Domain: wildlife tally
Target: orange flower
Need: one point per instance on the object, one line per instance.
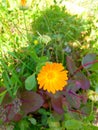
(23, 2)
(52, 77)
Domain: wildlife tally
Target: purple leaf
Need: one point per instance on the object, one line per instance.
(57, 105)
(10, 112)
(70, 65)
(13, 116)
(73, 99)
(84, 98)
(84, 83)
(88, 59)
(31, 101)
(82, 80)
(74, 85)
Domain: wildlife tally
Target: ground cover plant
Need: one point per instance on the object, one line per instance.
(48, 67)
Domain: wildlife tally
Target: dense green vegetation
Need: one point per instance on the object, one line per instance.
(32, 35)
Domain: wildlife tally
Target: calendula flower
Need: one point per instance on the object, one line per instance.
(52, 77)
(23, 2)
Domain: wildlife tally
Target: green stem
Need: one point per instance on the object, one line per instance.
(25, 23)
(43, 50)
(92, 107)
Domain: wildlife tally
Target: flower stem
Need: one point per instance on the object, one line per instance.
(88, 63)
(25, 23)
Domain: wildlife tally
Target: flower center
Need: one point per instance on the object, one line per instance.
(50, 75)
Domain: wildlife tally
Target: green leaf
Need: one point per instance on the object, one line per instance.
(39, 66)
(72, 124)
(42, 61)
(96, 87)
(45, 39)
(34, 55)
(23, 125)
(31, 83)
(33, 121)
(2, 95)
(7, 83)
(89, 127)
(94, 67)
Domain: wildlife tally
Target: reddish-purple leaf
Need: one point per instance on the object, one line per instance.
(87, 61)
(11, 115)
(84, 98)
(31, 101)
(10, 112)
(57, 105)
(73, 99)
(73, 85)
(70, 65)
(82, 81)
